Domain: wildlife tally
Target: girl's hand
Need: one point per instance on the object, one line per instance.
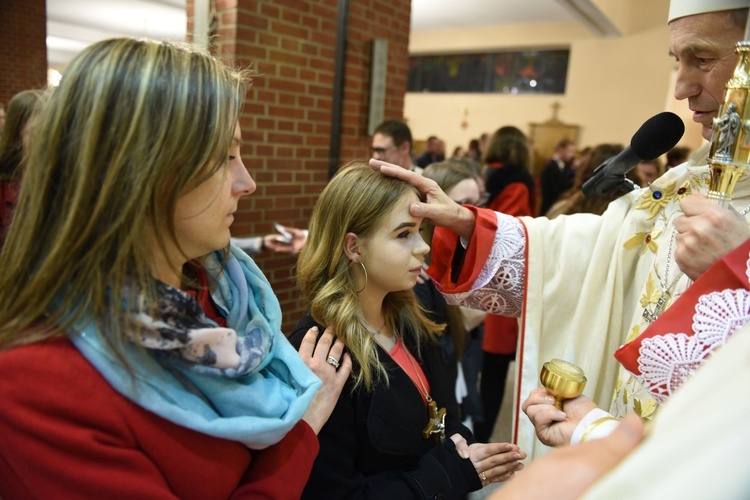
(496, 462)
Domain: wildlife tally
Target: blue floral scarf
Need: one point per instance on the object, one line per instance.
(244, 383)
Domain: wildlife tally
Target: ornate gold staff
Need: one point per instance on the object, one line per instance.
(729, 154)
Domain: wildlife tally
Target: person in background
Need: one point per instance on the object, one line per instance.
(511, 191)
(392, 142)
(395, 432)
(484, 139)
(290, 243)
(473, 151)
(648, 171)
(433, 153)
(557, 175)
(159, 367)
(12, 145)
(459, 152)
(573, 201)
(461, 183)
(677, 156)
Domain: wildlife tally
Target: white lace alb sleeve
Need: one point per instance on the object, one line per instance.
(499, 286)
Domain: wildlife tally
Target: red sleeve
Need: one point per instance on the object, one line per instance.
(65, 433)
(446, 244)
(513, 200)
(281, 471)
(60, 436)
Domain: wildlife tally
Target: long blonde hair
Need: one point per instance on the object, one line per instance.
(358, 199)
(133, 125)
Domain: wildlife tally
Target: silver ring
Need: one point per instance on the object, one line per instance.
(333, 362)
(483, 476)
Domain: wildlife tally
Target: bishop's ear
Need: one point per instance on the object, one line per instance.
(352, 247)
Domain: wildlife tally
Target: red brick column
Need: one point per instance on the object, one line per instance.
(23, 49)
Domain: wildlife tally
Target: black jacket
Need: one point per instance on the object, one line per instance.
(372, 446)
(554, 183)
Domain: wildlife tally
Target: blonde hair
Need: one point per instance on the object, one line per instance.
(358, 199)
(133, 125)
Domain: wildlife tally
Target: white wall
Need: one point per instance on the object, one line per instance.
(614, 84)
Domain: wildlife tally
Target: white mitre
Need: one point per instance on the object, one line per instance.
(682, 8)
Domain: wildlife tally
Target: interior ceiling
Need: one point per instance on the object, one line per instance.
(74, 24)
(430, 15)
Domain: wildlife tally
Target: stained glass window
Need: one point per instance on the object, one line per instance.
(521, 72)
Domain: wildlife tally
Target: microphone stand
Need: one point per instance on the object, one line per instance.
(729, 153)
(603, 182)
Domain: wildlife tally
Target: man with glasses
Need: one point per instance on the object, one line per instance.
(392, 143)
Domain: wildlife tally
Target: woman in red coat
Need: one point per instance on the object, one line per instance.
(511, 191)
(140, 354)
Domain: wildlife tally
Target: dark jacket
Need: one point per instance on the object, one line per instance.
(554, 183)
(372, 446)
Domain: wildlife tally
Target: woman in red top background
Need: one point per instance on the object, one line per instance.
(511, 191)
(14, 136)
(140, 353)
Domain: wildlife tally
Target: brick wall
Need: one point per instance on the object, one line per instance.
(286, 123)
(23, 50)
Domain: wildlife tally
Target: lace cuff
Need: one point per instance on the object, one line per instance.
(499, 286)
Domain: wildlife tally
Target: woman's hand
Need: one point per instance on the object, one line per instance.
(554, 427)
(496, 462)
(439, 208)
(316, 357)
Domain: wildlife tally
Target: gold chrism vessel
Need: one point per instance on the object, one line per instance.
(562, 380)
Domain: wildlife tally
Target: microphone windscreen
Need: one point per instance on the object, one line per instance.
(658, 135)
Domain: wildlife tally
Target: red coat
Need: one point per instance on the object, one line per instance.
(66, 433)
(515, 200)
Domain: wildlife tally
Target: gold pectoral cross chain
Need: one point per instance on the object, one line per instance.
(436, 425)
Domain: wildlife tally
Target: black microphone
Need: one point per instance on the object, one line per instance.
(658, 135)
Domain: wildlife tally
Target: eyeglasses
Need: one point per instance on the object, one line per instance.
(380, 151)
(480, 203)
(483, 199)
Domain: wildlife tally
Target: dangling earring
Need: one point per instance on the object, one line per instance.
(365, 270)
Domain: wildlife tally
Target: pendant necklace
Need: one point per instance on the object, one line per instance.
(385, 342)
(650, 316)
(436, 424)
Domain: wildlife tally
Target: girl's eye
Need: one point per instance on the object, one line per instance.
(404, 234)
